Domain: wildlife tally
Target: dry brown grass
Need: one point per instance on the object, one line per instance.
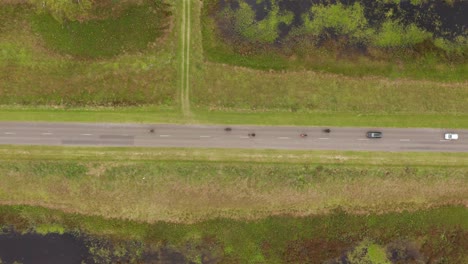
(195, 191)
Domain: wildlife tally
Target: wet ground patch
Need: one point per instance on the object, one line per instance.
(444, 19)
(74, 247)
(314, 34)
(36, 248)
(436, 235)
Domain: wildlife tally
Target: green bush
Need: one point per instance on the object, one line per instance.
(458, 46)
(393, 34)
(45, 229)
(342, 20)
(368, 253)
(265, 30)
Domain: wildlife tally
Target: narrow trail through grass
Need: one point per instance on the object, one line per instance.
(185, 60)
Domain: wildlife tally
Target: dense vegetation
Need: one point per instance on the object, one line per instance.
(437, 235)
(319, 34)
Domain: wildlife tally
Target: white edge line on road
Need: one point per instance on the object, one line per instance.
(164, 135)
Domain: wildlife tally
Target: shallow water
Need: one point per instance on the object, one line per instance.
(438, 17)
(37, 249)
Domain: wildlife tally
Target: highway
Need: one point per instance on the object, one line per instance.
(207, 136)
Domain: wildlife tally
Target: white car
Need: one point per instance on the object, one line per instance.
(451, 136)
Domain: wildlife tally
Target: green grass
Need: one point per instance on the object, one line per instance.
(132, 31)
(93, 114)
(229, 116)
(437, 233)
(302, 91)
(44, 229)
(35, 68)
(114, 154)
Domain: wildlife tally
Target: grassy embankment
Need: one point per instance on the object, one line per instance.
(274, 205)
(185, 185)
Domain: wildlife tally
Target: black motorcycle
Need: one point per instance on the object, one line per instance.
(327, 130)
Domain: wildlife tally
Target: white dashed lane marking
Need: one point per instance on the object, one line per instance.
(404, 140)
(283, 137)
(205, 136)
(46, 134)
(9, 133)
(164, 135)
(86, 134)
(323, 138)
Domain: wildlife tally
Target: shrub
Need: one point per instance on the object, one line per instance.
(338, 18)
(265, 30)
(393, 34)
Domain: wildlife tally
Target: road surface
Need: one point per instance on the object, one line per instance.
(84, 134)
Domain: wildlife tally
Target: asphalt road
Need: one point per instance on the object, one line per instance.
(84, 134)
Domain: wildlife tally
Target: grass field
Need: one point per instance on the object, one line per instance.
(46, 63)
(227, 116)
(242, 88)
(182, 185)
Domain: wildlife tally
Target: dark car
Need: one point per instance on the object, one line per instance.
(374, 134)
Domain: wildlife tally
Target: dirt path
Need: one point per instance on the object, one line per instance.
(185, 62)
